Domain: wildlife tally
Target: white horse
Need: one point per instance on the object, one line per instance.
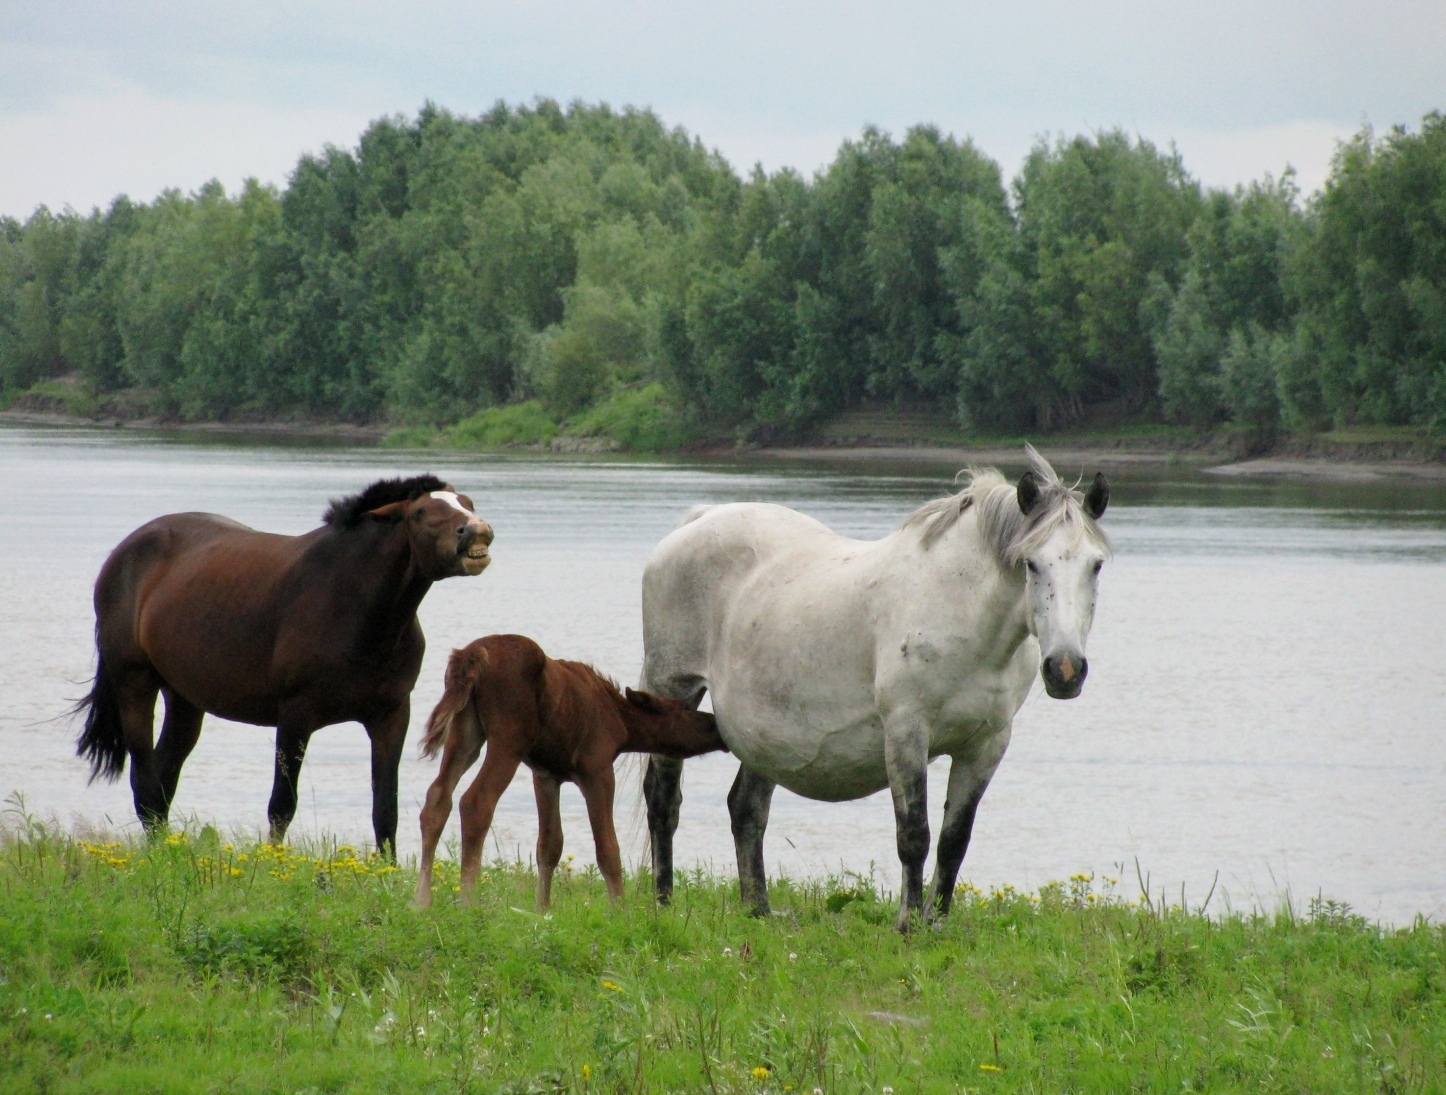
(839, 666)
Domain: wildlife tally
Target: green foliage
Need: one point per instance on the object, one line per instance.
(567, 255)
(187, 964)
(519, 424)
(636, 419)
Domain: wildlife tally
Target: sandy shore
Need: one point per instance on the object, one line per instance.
(1072, 455)
(1104, 456)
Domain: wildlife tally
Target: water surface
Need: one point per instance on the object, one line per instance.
(1266, 689)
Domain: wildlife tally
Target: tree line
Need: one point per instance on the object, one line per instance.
(577, 257)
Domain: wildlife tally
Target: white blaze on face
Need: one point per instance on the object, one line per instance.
(451, 500)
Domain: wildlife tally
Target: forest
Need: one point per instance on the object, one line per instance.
(543, 267)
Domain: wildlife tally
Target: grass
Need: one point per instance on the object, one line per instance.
(193, 964)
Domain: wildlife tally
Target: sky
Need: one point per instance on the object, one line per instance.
(133, 96)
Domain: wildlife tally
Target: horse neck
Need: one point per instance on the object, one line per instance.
(1000, 607)
(393, 587)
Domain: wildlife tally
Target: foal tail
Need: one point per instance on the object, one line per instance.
(454, 710)
(102, 740)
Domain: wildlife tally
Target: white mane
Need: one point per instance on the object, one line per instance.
(1013, 535)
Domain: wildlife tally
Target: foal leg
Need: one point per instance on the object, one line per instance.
(179, 731)
(291, 741)
(968, 779)
(663, 792)
(597, 791)
(478, 804)
(906, 759)
(549, 833)
(749, 800)
(458, 755)
(388, 735)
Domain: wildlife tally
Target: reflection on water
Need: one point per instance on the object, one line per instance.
(1265, 692)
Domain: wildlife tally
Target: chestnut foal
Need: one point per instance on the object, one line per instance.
(565, 721)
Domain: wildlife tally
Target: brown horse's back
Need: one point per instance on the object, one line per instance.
(198, 581)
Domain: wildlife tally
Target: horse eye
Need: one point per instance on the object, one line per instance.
(1099, 565)
(1032, 566)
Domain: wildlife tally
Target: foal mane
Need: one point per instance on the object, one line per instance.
(348, 512)
(1013, 534)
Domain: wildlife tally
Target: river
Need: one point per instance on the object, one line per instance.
(1266, 700)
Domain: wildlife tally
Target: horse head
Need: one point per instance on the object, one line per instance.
(1062, 553)
(448, 539)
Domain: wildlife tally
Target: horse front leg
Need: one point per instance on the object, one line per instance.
(388, 734)
(968, 779)
(663, 793)
(597, 791)
(749, 800)
(292, 739)
(906, 759)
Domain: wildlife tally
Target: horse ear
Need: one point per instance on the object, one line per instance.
(389, 514)
(643, 701)
(466, 501)
(1027, 492)
(1098, 496)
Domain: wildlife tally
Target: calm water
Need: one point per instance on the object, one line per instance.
(1267, 673)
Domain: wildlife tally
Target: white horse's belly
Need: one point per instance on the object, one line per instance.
(838, 765)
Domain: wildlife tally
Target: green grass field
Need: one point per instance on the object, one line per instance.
(195, 965)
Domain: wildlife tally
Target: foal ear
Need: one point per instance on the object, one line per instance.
(643, 701)
(1027, 492)
(389, 514)
(1098, 496)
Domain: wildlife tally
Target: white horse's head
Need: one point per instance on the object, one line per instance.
(1062, 555)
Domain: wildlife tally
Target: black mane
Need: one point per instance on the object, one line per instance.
(348, 512)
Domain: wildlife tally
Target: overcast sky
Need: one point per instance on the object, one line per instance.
(100, 98)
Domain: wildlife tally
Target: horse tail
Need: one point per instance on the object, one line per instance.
(464, 676)
(102, 740)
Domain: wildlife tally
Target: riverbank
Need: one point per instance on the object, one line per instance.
(899, 437)
(201, 964)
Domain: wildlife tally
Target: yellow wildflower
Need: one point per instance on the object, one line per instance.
(986, 1067)
(587, 1072)
(612, 986)
(761, 1072)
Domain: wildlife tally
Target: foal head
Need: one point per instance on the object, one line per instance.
(657, 724)
(447, 537)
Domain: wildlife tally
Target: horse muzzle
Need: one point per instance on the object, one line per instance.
(1064, 674)
(472, 548)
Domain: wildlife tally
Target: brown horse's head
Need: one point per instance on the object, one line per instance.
(657, 724)
(448, 538)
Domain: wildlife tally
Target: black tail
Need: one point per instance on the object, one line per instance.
(102, 742)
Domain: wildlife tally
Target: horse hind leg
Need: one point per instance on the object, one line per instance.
(478, 805)
(549, 834)
(179, 731)
(459, 754)
(663, 790)
(136, 698)
(749, 800)
(663, 794)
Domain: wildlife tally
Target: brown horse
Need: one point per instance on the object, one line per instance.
(295, 632)
(566, 721)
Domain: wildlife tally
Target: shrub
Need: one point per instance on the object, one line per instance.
(638, 419)
(517, 424)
